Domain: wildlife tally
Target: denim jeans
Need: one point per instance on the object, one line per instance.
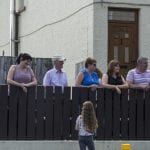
(86, 141)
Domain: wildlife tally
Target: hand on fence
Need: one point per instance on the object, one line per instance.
(146, 87)
(118, 90)
(93, 87)
(23, 87)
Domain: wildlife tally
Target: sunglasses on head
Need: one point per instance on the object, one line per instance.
(117, 65)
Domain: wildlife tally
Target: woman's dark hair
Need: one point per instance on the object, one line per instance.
(111, 67)
(89, 61)
(23, 56)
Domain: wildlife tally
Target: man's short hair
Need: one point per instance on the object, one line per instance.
(58, 58)
(141, 60)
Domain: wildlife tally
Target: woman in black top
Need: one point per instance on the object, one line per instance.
(113, 79)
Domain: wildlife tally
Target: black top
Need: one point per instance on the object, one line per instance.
(115, 81)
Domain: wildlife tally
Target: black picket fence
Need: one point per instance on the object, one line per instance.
(42, 114)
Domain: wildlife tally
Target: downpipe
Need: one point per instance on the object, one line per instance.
(12, 27)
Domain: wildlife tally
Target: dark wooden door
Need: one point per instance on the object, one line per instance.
(123, 44)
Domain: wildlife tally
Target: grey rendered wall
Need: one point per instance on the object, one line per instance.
(70, 145)
(4, 27)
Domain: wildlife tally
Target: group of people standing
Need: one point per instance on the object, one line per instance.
(138, 77)
(22, 75)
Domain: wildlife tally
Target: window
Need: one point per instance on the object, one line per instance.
(121, 15)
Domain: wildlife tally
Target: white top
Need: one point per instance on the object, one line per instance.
(54, 77)
(79, 126)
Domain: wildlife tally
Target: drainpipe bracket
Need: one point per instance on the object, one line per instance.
(18, 12)
(16, 41)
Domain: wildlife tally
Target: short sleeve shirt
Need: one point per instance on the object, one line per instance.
(80, 127)
(139, 78)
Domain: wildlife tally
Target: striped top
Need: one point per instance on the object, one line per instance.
(139, 78)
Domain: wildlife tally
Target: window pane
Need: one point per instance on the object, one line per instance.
(116, 52)
(127, 54)
(121, 15)
(126, 35)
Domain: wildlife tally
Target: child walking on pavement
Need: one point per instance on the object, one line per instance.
(86, 124)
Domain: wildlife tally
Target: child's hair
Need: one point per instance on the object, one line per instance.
(89, 118)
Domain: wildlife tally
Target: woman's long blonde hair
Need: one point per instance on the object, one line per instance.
(89, 118)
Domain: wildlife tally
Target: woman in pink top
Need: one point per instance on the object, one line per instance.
(21, 74)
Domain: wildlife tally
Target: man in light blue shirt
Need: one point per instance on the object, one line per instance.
(56, 76)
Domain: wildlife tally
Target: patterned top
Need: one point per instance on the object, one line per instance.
(22, 76)
(139, 78)
(89, 79)
(115, 81)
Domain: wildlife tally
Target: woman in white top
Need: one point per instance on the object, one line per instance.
(86, 124)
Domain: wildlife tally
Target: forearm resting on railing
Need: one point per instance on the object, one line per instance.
(33, 83)
(9, 81)
(140, 86)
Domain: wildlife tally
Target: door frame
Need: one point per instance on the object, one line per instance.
(124, 22)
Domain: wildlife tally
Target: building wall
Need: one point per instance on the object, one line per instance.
(101, 27)
(4, 27)
(67, 30)
(76, 29)
(144, 32)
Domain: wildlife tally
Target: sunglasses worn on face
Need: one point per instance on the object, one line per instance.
(145, 63)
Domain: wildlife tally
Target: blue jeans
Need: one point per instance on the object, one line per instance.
(86, 141)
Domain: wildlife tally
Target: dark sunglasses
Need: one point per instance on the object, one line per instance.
(116, 65)
(94, 65)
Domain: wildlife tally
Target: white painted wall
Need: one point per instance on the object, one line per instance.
(71, 34)
(101, 27)
(100, 36)
(144, 32)
(4, 27)
(127, 1)
(73, 28)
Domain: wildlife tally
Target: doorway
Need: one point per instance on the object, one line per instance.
(123, 38)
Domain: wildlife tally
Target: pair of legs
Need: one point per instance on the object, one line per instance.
(86, 141)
